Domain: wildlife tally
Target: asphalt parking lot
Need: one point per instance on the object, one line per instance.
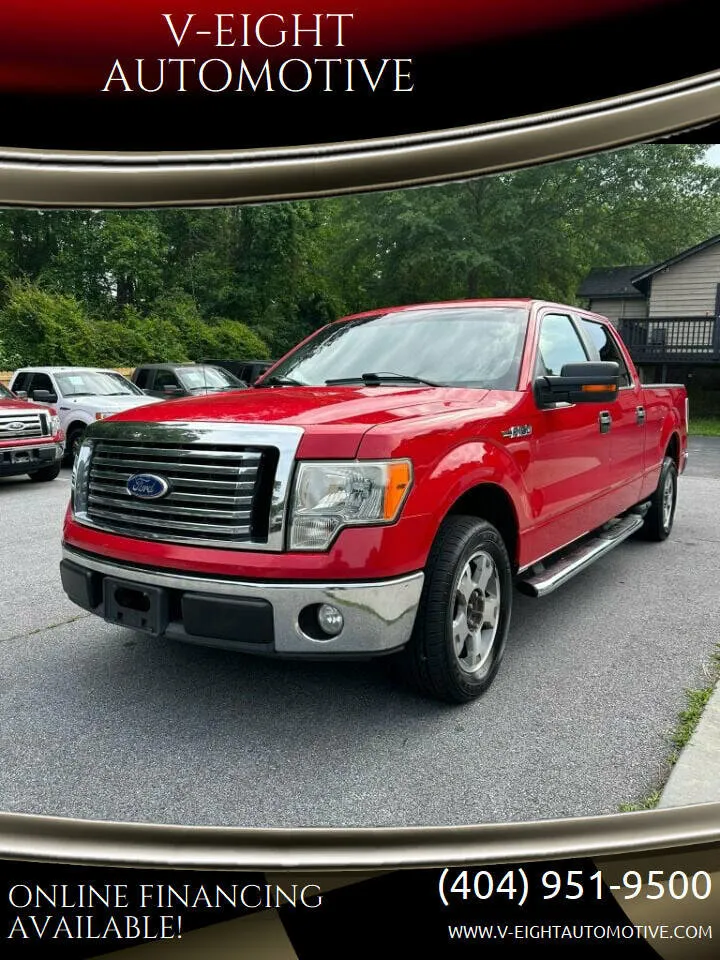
(105, 724)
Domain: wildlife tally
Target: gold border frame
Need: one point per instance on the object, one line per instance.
(59, 840)
(39, 178)
(75, 179)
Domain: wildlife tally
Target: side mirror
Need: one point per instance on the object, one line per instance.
(20, 394)
(594, 381)
(172, 390)
(44, 396)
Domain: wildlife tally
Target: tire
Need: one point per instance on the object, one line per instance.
(72, 442)
(47, 473)
(453, 655)
(659, 519)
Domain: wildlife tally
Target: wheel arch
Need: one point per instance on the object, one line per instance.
(75, 424)
(673, 448)
(489, 501)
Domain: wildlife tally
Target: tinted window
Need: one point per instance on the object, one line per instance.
(21, 381)
(141, 378)
(41, 381)
(607, 349)
(559, 344)
(165, 378)
(464, 346)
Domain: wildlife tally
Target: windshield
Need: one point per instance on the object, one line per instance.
(5, 393)
(208, 378)
(94, 383)
(465, 346)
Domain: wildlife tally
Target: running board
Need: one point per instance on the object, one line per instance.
(580, 557)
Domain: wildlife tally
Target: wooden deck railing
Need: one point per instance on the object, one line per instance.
(672, 339)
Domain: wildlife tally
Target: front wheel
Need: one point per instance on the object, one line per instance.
(464, 614)
(73, 442)
(660, 516)
(46, 473)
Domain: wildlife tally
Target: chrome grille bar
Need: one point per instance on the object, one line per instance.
(146, 463)
(21, 426)
(227, 483)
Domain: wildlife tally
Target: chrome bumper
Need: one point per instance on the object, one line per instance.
(378, 616)
(34, 454)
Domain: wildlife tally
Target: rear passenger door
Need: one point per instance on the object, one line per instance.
(626, 416)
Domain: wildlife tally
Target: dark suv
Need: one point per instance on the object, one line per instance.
(247, 370)
(183, 379)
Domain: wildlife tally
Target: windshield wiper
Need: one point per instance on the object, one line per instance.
(276, 380)
(376, 379)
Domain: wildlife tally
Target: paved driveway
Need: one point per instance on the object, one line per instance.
(101, 723)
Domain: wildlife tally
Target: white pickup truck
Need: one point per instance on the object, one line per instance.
(81, 396)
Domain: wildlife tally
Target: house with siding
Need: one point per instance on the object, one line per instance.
(667, 313)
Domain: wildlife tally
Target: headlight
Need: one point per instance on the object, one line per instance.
(331, 495)
(100, 415)
(54, 423)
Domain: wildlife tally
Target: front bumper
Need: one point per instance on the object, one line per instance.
(267, 618)
(28, 457)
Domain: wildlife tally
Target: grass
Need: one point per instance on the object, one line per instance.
(704, 426)
(695, 702)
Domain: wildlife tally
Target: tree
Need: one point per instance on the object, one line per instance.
(121, 287)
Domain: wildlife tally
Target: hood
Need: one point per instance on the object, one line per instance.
(21, 406)
(335, 417)
(108, 404)
(315, 406)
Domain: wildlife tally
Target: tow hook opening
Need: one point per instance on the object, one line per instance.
(132, 599)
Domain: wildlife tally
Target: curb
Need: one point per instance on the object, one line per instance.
(695, 777)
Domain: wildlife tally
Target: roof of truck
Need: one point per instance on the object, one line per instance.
(35, 369)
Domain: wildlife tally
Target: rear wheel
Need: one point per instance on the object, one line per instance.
(660, 516)
(47, 473)
(464, 613)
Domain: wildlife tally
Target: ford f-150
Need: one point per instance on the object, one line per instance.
(381, 490)
(31, 440)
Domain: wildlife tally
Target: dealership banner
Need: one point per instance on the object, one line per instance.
(561, 907)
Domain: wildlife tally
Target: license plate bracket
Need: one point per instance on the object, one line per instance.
(135, 605)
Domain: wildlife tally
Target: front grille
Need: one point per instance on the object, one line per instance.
(217, 493)
(23, 426)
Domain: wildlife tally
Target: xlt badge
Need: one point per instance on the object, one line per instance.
(514, 432)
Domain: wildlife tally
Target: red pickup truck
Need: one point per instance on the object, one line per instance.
(31, 440)
(380, 490)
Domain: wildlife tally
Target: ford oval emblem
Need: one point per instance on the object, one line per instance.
(147, 486)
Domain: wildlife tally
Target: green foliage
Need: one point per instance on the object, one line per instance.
(704, 427)
(44, 328)
(123, 287)
(688, 719)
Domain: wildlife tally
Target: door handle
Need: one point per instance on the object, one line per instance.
(640, 414)
(605, 421)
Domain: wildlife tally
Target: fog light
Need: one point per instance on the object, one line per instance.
(330, 620)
